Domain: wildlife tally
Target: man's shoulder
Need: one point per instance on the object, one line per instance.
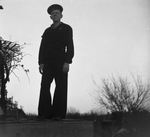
(66, 26)
(47, 30)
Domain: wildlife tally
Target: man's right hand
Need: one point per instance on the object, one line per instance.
(41, 67)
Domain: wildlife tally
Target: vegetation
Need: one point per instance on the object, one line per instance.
(10, 59)
(75, 114)
(119, 95)
(128, 104)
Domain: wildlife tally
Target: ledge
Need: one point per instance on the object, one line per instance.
(47, 128)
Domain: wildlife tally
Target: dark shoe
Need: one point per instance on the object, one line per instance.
(40, 118)
(57, 118)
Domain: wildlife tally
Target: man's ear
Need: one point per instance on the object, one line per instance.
(61, 15)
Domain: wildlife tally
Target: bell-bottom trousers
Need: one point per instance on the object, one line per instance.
(58, 107)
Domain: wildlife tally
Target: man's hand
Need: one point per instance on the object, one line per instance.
(41, 67)
(65, 67)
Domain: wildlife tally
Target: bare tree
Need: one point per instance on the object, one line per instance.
(10, 58)
(119, 95)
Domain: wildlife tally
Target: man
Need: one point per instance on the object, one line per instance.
(55, 55)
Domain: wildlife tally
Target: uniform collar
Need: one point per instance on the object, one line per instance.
(52, 26)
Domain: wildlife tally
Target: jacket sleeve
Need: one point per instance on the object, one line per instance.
(41, 57)
(70, 47)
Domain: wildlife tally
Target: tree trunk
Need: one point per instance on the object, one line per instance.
(2, 84)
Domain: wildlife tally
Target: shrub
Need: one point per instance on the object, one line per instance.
(118, 95)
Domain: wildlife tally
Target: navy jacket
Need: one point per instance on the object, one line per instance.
(57, 44)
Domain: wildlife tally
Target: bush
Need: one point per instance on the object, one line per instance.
(118, 95)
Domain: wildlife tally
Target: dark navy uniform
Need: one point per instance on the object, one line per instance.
(56, 48)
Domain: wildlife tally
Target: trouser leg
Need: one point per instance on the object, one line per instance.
(45, 107)
(60, 95)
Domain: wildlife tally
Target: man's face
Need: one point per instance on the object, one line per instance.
(56, 15)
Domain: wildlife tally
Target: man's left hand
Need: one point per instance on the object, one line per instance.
(66, 67)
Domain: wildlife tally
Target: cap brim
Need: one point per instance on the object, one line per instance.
(54, 7)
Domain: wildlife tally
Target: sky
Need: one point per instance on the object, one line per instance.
(111, 37)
